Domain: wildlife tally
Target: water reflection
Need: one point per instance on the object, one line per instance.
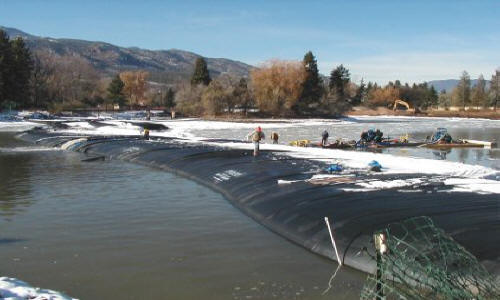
(463, 154)
(441, 154)
(15, 176)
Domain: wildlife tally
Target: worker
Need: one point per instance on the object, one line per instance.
(274, 137)
(378, 136)
(146, 134)
(324, 138)
(257, 136)
(364, 137)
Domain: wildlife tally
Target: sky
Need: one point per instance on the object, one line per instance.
(381, 41)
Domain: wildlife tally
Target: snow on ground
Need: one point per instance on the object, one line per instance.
(27, 149)
(473, 177)
(14, 289)
(17, 126)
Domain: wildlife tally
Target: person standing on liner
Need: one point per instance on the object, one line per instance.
(324, 138)
(257, 136)
(274, 137)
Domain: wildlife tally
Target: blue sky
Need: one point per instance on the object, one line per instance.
(379, 41)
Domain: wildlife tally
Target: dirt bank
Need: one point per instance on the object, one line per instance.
(382, 111)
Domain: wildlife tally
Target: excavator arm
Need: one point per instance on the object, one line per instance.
(402, 103)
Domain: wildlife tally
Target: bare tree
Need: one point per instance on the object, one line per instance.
(135, 86)
(277, 86)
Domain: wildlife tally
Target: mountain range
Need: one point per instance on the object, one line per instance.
(164, 65)
(449, 84)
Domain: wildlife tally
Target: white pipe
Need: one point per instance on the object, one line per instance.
(333, 241)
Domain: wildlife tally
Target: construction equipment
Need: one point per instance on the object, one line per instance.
(300, 143)
(402, 103)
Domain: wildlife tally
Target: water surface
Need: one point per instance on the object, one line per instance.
(107, 230)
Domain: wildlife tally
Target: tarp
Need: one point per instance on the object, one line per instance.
(296, 210)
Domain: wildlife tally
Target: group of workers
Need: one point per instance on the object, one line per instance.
(366, 137)
(258, 135)
(371, 136)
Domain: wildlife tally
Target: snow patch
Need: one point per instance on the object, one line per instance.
(14, 289)
(481, 186)
(389, 184)
(226, 175)
(17, 126)
(27, 149)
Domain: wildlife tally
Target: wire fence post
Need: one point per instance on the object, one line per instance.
(381, 249)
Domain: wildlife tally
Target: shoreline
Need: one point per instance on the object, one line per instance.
(355, 112)
(469, 114)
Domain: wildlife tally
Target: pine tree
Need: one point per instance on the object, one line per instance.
(360, 94)
(115, 91)
(463, 90)
(433, 97)
(5, 66)
(200, 74)
(339, 78)
(495, 89)
(170, 98)
(242, 95)
(312, 86)
(479, 96)
(22, 68)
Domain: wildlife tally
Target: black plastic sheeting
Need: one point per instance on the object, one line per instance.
(296, 211)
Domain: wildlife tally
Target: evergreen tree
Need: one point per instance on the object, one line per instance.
(463, 90)
(360, 94)
(200, 74)
(170, 98)
(115, 91)
(5, 66)
(339, 78)
(369, 87)
(495, 89)
(312, 86)
(434, 97)
(20, 74)
(242, 95)
(479, 96)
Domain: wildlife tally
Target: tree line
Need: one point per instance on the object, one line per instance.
(424, 96)
(475, 97)
(46, 80)
(276, 88)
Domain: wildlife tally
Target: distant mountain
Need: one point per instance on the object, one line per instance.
(450, 84)
(164, 65)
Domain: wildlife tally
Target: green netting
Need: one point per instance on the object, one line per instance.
(423, 262)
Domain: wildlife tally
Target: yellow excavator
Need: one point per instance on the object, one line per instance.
(402, 103)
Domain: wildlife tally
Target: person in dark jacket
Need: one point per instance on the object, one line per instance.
(378, 136)
(274, 137)
(324, 138)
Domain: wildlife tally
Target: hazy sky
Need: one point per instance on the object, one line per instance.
(380, 41)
